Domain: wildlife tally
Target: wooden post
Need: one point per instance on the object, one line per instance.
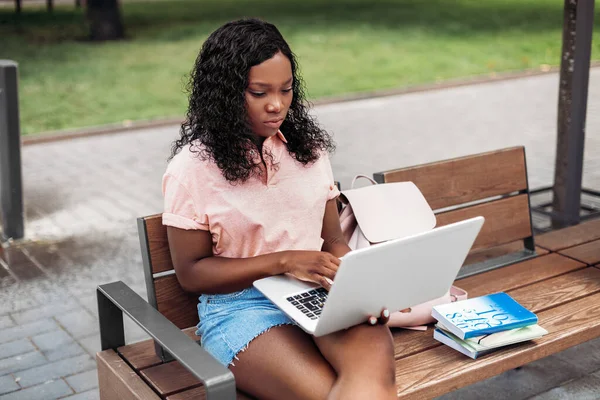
(572, 105)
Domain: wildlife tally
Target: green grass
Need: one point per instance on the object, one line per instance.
(344, 46)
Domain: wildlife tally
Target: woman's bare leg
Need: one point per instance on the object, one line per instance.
(363, 358)
(283, 363)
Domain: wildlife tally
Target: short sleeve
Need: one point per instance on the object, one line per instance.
(333, 190)
(179, 209)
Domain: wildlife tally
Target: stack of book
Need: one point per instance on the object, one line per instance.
(483, 324)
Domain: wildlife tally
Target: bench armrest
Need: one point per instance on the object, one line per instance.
(116, 297)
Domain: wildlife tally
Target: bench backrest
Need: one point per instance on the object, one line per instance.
(492, 184)
(451, 187)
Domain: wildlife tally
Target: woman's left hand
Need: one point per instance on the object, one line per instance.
(383, 318)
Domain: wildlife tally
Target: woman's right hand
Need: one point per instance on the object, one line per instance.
(311, 266)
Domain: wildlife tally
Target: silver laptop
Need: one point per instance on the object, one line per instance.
(395, 275)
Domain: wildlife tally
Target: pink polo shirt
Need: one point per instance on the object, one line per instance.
(282, 211)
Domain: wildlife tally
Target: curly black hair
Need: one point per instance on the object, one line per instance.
(217, 118)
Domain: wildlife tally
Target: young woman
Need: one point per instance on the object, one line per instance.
(249, 193)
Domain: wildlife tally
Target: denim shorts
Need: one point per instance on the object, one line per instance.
(229, 322)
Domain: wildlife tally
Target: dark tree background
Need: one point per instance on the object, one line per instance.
(104, 17)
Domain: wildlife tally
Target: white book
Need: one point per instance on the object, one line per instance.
(444, 337)
(473, 347)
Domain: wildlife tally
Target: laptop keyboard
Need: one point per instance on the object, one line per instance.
(310, 302)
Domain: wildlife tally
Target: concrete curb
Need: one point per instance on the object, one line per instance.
(53, 136)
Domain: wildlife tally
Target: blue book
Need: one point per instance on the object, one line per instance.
(483, 315)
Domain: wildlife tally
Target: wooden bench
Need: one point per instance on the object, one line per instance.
(554, 280)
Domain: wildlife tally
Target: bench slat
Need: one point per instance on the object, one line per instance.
(200, 394)
(441, 369)
(506, 279)
(178, 306)
(569, 237)
(518, 275)
(158, 245)
(558, 290)
(506, 220)
(142, 355)
(407, 342)
(116, 380)
(462, 180)
(170, 378)
(498, 251)
(588, 253)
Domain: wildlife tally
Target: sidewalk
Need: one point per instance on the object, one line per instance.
(83, 196)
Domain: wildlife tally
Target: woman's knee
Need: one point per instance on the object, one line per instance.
(377, 339)
(373, 348)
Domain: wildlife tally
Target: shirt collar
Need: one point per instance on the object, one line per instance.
(280, 136)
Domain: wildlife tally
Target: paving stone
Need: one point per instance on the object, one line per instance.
(57, 369)
(50, 292)
(26, 330)
(3, 269)
(586, 356)
(21, 265)
(8, 384)
(90, 303)
(521, 383)
(32, 294)
(21, 362)
(6, 281)
(6, 322)
(57, 345)
(16, 347)
(84, 381)
(45, 391)
(133, 333)
(78, 323)
(586, 388)
(43, 312)
(47, 254)
(15, 296)
(89, 395)
(91, 344)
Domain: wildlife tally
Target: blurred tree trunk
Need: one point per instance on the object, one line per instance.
(50, 5)
(17, 6)
(105, 20)
(572, 105)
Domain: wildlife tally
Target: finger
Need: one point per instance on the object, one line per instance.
(323, 282)
(335, 260)
(333, 266)
(385, 317)
(328, 272)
